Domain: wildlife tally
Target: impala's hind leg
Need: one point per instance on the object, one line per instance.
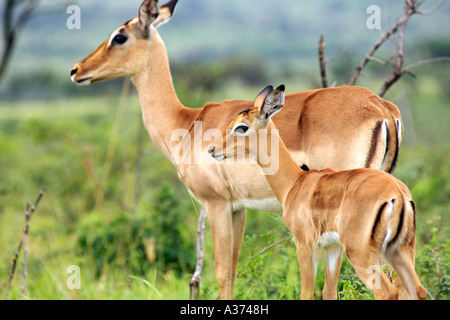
(370, 273)
(334, 261)
(402, 260)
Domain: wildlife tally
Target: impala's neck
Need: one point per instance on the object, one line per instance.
(288, 173)
(162, 112)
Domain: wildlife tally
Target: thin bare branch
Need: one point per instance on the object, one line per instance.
(322, 63)
(430, 11)
(421, 62)
(273, 245)
(13, 268)
(383, 63)
(23, 240)
(412, 74)
(406, 70)
(194, 284)
(388, 83)
(25, 250)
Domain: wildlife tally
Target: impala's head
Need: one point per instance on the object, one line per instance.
(243, 133)
(126, 51)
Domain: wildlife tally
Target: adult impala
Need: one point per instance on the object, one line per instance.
(342, 128)
(363, 211)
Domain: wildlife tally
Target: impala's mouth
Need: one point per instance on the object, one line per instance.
(81, 82)
(218, 157)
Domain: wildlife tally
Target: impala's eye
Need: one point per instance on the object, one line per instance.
(241, 129)
(119, 39)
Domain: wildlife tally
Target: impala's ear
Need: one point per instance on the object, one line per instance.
(148, 13)
(165, 13)
(272, 103)
(261, 97)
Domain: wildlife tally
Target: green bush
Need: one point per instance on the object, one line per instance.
(133, 242)
(433, 263)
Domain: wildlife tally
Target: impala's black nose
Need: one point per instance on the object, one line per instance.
(73, 71)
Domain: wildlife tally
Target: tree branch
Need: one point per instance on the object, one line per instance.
(380, 41)
(410, 6)
(28, 213)
(11, 29)
(273, 245)
(194, 284)
(383, 63)
(25, 249)
(421, 62)
(322, 63)
(399, 57)
(425, 13)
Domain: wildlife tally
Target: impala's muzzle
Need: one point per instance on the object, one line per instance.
(81, 81)
(218, 157)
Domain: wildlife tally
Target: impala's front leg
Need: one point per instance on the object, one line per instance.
(307, 264)
(219, 215)
(238, 224)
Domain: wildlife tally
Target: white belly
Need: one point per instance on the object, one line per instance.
(269, 205)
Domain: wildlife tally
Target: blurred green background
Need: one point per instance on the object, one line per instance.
(114, 205)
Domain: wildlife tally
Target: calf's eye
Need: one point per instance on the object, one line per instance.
(119, 39)
(241, 129)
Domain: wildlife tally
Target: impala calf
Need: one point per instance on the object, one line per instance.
(343, 128)
(363, 212)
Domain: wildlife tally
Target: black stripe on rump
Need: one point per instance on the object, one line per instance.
(414, 213)
(373, 146)
(399, 228)
(397, 147)
(377, 220)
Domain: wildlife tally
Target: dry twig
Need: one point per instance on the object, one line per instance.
(273, 245)
(194, 284)
(410, 9)
(25, 249)
(23, 243)
(322, 63)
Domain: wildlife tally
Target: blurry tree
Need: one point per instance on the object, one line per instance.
(15, 15)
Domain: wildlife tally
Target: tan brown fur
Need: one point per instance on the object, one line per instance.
(321, 128)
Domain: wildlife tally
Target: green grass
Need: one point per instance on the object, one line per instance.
(83, 151)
